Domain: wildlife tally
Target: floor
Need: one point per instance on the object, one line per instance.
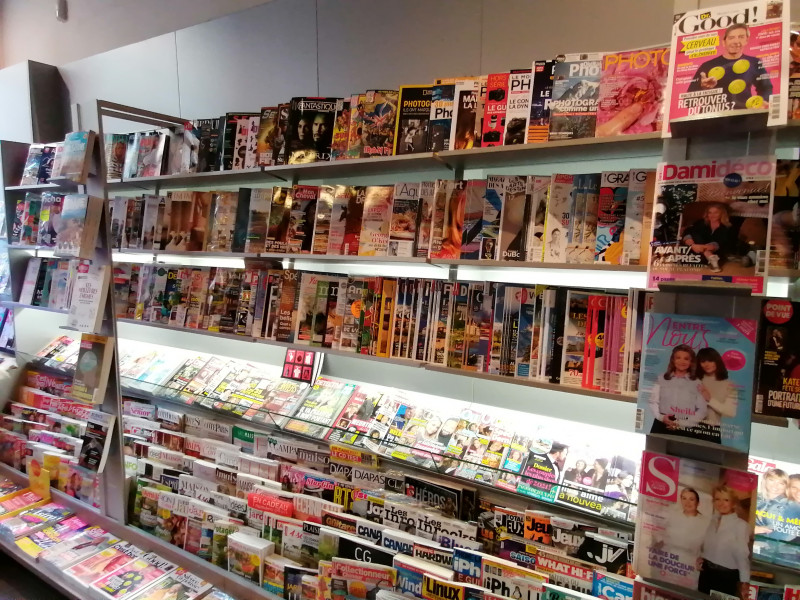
(18, 583)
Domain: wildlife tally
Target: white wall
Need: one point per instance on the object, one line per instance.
(29, 30)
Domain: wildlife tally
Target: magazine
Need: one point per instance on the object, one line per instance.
(309, 130)
(413, 116)
(712, 221)
(778, 385)
(697, 377)
(784, 240)
(695, 524)
(380, 113)
(632, 92)
(729, 58)
(576, 91)
(777, 510)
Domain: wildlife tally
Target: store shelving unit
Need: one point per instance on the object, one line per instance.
(448, 164)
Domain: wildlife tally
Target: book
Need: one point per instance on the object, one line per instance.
(133, 577)
(633, 236)
(465, 115)
(180, 584)
(749, 70)
(776, 389)
(92, 368)
(576, 91)
(30, 172)
(677, 528)
(378, 129)
(541, 93)
(246, 555)
(441, 117)
(611, 217)
(88, 297)
(714, 221)
(341, 130)
(413, 118)
(267, 131)
(405, 220)
(76, 235)
(302, 216)
(632, 89)
(115, 146)
(494, 115)
(310, 129)
(376, 221)
(518, 107)
(76, 156)
(278, 223)
(514, 220)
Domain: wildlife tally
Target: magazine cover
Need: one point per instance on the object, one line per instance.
(302, 215)
(611, 216)
(376, 221)
(405, 220)
(537, 189)
(493, 201)
(632, 92)
(778, 385)
(539, 121)
(576, 91)
(465, 115)
(267, 132)
(697, 377)
(695, 524)
(452, 220)
(380, 113)
(354, 140)
(473, 219)
(494, 112)
(310, 129)
(441, 117)
(341, 130)
(784, 240)
(634, 215)
(712, 221)
(413, 118)
(559, 215)
(515, 219)
(729, 58)
(518, 107)
(777, 526)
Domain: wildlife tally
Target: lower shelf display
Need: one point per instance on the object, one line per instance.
(216, 445)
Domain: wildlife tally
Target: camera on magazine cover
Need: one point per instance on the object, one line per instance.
(497, 95)
(515, 131)
(491, 136)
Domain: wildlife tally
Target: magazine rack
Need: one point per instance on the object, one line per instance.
(112, 482)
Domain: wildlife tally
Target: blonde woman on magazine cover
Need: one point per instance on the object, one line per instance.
(724, 561)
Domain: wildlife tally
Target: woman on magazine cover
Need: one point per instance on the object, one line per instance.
(724, 561)
(711, 235)
(718, 391)
(686, 528)
(676, 400)
(772, 502)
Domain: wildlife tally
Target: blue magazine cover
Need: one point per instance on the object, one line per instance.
(697, 379)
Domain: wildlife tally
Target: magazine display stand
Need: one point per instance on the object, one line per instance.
(450, 164)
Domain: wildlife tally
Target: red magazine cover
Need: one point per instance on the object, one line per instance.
(494, 115)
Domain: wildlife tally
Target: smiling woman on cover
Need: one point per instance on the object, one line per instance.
(718, 391)
(724, 561)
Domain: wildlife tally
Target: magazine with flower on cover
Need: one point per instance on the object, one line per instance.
(697, 378)
(695, 524)
(712, 220)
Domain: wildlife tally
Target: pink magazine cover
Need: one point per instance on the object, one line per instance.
(632, 92)
(729, 58)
